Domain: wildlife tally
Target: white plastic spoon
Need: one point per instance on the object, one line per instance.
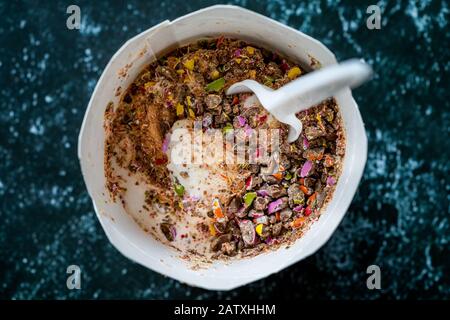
(305, 92)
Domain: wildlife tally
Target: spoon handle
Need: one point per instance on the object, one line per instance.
(319, 85)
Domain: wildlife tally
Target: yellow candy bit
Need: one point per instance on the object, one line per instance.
(189, 64)
(226, 116)
(149, 84)
(212, 230)
(180, 71)
(259, 229)
(215, 74)
(330, 117)
(319, 118)
(191, 113)
(189, 101)
(250, 50)
(238, 60)
(180, 109)
(216, 203)
(294, 72)
(252, 74)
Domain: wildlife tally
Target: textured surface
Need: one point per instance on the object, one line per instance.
(398, 220)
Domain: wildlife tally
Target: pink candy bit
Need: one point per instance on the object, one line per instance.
(206, 121)
(308, 211)
(284, 66)
(306, 168)
(257, 153)
(256, 214)
(242, 121)
(262, 193)
(331, 181)
(274, 206)
(248, 130)
(305, 143)
(269, 240)
(173, 231)
(248, 183)
(298, 208)
(165, 144)
(237, 53)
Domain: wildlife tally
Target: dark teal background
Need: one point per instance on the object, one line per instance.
(399, 219)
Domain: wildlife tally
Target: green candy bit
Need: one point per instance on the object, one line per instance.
(216, 85)
(228, 128)
(288, 176)
(179, 189)
(248, 198)
(268, 81)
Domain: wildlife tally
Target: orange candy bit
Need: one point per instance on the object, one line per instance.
(297, 223)
(278, 175)
(311, 199)
(313, 157)
(278, 216)
(304, 189)
(217, 210)
(218, 213)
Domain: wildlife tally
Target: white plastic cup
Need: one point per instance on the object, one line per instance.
(124, 66)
